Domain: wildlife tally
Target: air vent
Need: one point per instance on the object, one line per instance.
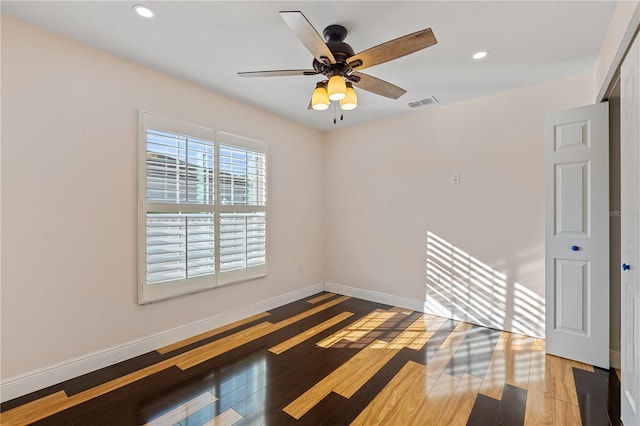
(424, 102)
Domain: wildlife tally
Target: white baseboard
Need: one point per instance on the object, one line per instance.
(615, 360)
(47, 376)
(507, 324)
(376, 296)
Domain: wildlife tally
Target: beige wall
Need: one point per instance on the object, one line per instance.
(69, 193)
(609, 59)
(355, 205)
(388, 184)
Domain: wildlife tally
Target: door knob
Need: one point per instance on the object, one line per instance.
(575, 248)
(626, 267)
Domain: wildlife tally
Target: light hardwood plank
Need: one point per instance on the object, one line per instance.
(360, 328)
(346, 379)
(540, 406)
(496, 375)
(211, 333)
(307, 334)
(432, 325)
(619, 373)
(440, 359)
(34, 410)
(407, 410)
(384, 404)
(310, 312)
(436, 402)
(352, 375)
(537, 366)
(210, 350)
(582, 366)
(398, 309)
(559, 379)
(565, 413)
(321, 298)
(227, 418)
(518, 360)
(457, 411)
(309, 399)
(416, 335)
(184, 410)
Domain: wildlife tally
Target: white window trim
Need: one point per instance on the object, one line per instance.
(148, 293)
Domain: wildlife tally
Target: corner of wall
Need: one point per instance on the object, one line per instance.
(622, 29)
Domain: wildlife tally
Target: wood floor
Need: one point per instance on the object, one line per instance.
(328, 360)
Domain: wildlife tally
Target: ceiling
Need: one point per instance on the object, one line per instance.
(208, 42)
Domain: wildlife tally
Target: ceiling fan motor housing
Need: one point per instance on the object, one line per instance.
(335, 35)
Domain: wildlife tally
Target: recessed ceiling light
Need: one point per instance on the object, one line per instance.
(143, 11)
(480, 55)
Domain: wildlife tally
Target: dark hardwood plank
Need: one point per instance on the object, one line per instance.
(613, 402)
(484, 411)
(246, 379)
(597, 406)
(512, 406)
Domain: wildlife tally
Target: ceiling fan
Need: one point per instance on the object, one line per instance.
(337, 61)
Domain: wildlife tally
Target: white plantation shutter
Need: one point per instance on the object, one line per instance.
(242, 240)
(242, 173)
(179, 246)
(203, 208)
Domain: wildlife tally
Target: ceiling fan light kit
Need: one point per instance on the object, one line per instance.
(337, 88)
(320, 97)
(350, 101)
(336, 60)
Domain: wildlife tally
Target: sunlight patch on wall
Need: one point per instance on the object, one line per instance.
(462, 287)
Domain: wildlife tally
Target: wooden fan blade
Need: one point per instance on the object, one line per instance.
(308, 36)
(393, 49)
(377, 86)
(277, 73)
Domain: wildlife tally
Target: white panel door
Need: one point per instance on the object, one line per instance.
(630, 230)
(577, 234)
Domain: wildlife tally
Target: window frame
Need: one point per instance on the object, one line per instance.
(153, 292)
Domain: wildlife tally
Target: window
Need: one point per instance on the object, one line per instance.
(203, 196)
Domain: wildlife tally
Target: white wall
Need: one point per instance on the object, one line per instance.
(388, 184)
(69, 193)
(616, 41)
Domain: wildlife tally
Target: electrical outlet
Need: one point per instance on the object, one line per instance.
(455, 178)
(300, 267)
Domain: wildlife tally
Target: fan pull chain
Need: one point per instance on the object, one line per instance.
(335, 113)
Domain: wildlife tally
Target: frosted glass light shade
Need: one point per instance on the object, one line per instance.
(320, 98)
(337, 88)
(350, 101)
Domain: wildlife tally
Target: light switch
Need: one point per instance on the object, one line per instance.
(455, 178)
